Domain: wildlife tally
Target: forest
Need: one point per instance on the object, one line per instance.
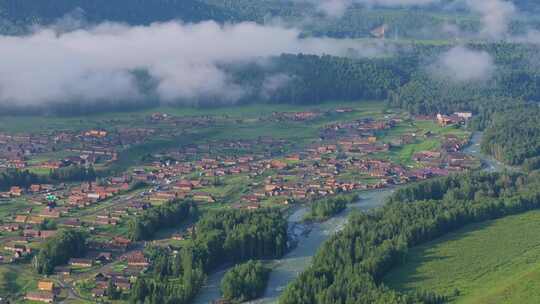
(13, 177)
(173, 277)
(350, 266)
(239, 235)
(514, 80)
(244, 282)
(170, 214)
(357, 22)
(228, 236)
(16, 15)
(25, 178)
(402, 79)
(514, 137)
(324, 208)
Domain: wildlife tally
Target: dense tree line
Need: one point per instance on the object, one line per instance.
(324, 208)
(514, 136)
(531, 164)
(404, 23)
(350, 266)
(174, 278)
(245, 282)
(73, 174)
(170, 214)
(21, 178)
(308, 79)
(402, 79)
(427, 23)
(227, 236)
(263, 10)
(25, 178)
(59, 249)
(237, 235)
(427, 93)
(295, 79)
(18, 15)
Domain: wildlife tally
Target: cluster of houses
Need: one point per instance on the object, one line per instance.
(122, 280)
(456, 118)
(14, 149)
(27, 227)
(98, 145)
(317, 170)
(135, 262)
(33, 190)
(296, 116)
(86, 147)
(117, 248)
(90, 193)
(345, 157)
(183, 121)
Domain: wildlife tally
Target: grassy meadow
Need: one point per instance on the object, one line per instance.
(492, 262)
(29, 124)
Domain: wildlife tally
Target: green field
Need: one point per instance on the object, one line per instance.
(29, 124)
(492, 262)
(16, 280)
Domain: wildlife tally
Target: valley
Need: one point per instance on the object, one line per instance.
(271, 151)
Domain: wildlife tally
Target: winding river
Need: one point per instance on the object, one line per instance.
(286, 269)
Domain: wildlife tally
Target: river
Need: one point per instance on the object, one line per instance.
(286, 269)
(489, 164)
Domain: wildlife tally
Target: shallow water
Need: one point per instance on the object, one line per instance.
(291, 265)
(286, 269)
(489, 164)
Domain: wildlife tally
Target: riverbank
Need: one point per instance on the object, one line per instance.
(286, 269)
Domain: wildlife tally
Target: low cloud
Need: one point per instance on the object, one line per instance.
(183, 60)
(531, 37)
(273, 83)
(495, 14)
(337, 8)
(390, 3)
(334, 8)
(462, 64)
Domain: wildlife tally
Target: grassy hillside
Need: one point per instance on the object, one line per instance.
(492, 262)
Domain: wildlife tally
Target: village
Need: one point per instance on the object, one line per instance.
(350, 151)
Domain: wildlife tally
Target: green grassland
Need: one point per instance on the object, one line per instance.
(12, 207)
(29, 124)
(252, 123)
(17, 280)
(403, 154)
(301, 133)
(492, 262)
